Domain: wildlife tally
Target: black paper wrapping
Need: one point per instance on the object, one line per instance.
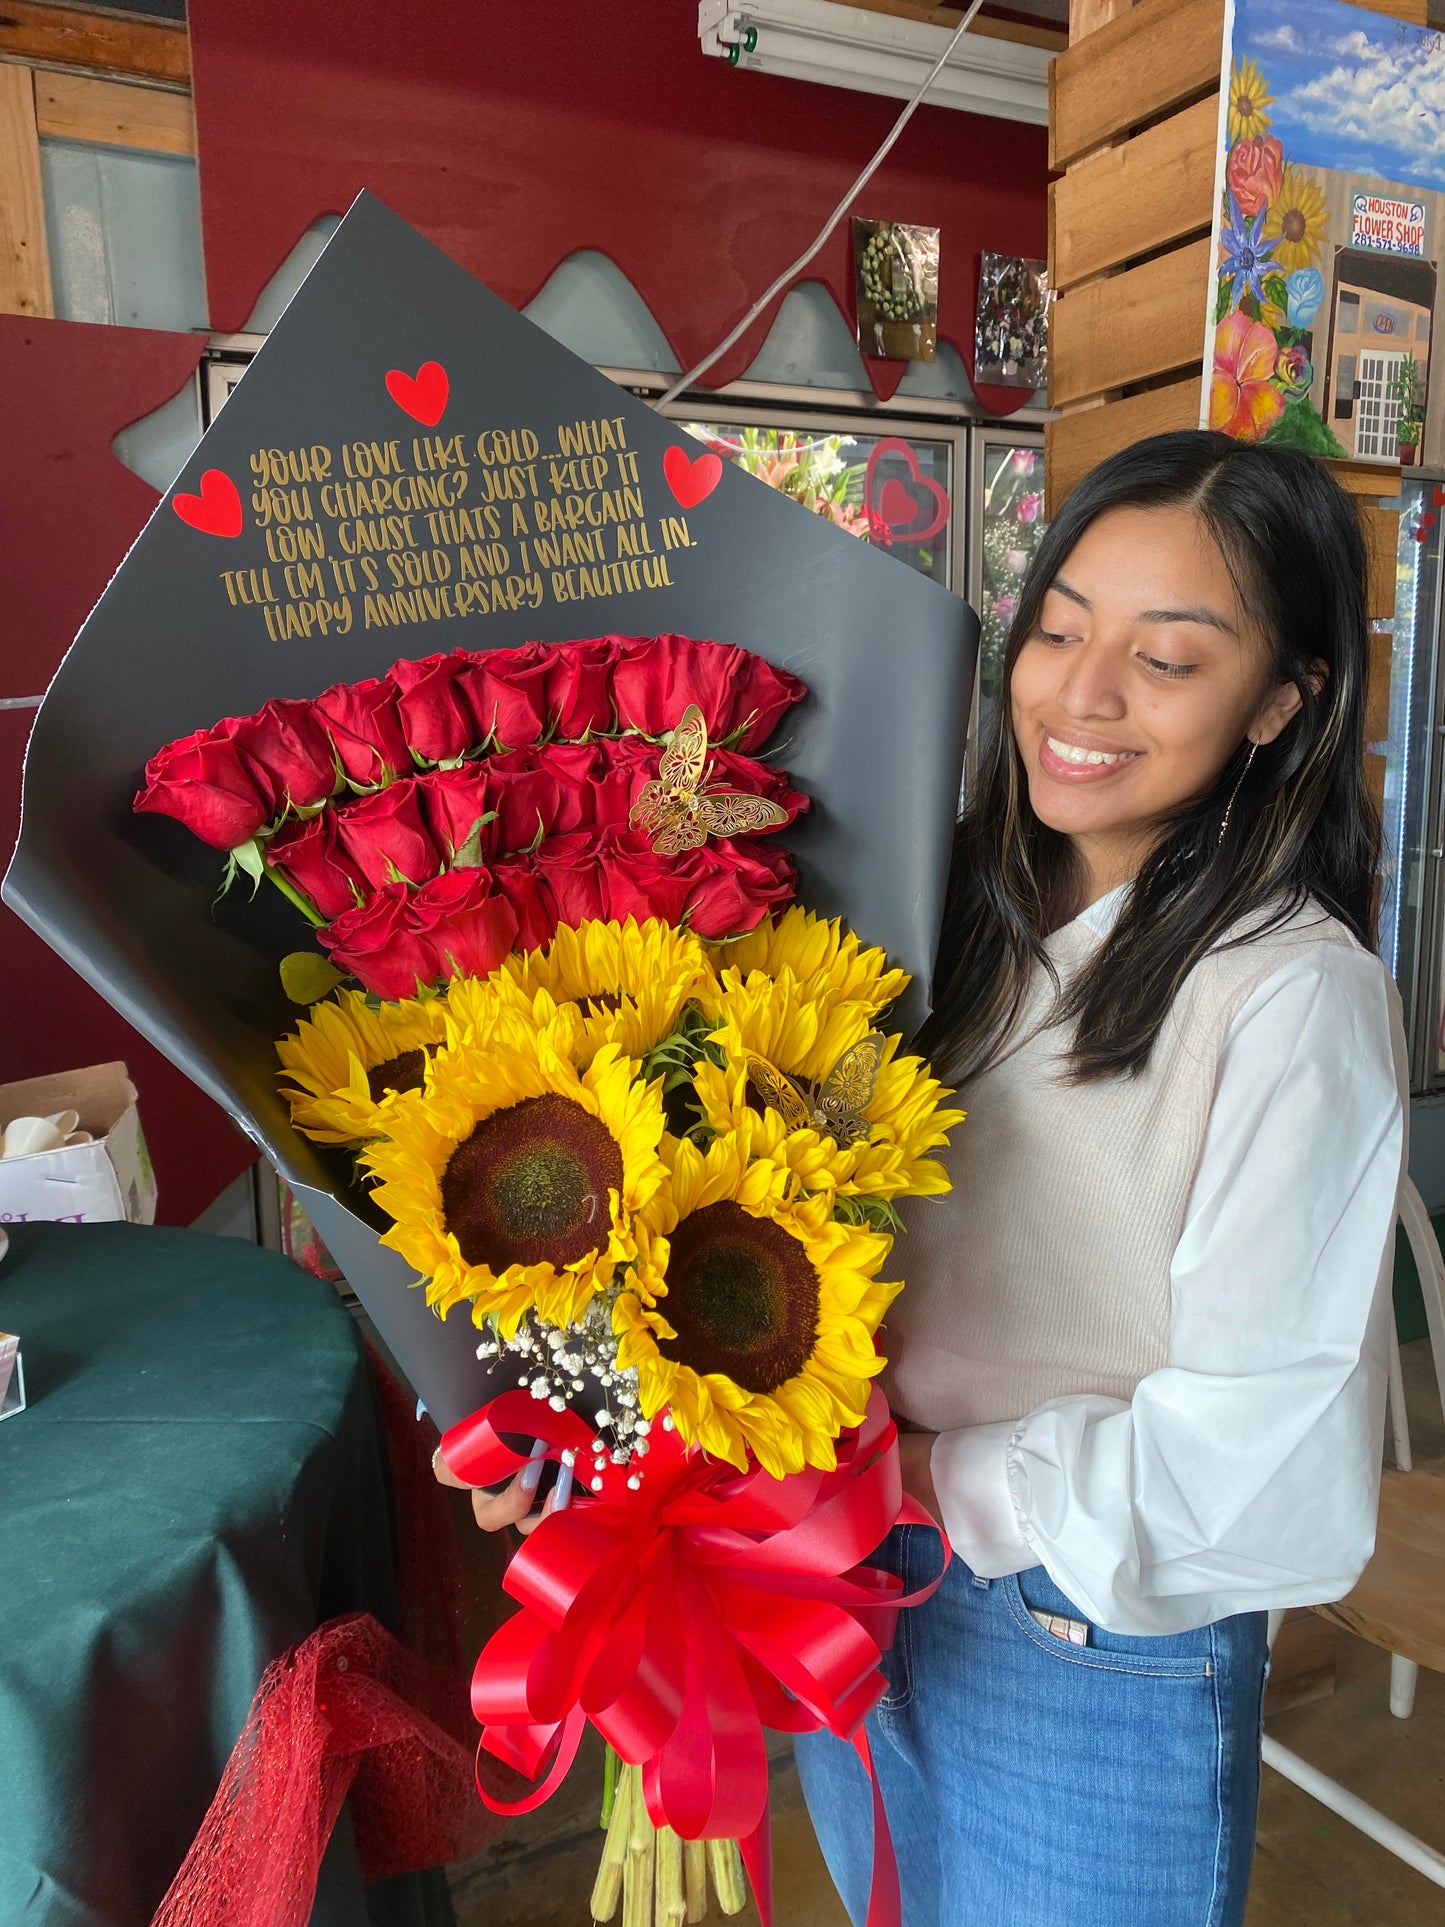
(128, 901)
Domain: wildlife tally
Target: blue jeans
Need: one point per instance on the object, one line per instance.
(1034, 1783)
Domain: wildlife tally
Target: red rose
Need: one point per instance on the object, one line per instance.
(734, 772)
(453, 801)
(467, 922)
(617, 769)
(309, 854)
(526, 799)
(386, 838)
(291, 753)
(204, 782)
(1255, 172)
(578, 770)
(377, 944)
(434, 715)
(579, 687)
(507, 693)
(570, 871)
(364, 723)
(532, 906)
(656, 677)
(735, 885)
(641, 884)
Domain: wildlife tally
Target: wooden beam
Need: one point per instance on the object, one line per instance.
(1377, 688)
(1157, 56)
(1076, 443)
(118, 113)
(1121, 330)
(1087, 16)
(1381, 530)
(1135, 198)
(1369, 479)
(24, 259)
(102, 43)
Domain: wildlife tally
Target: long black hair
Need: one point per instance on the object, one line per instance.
(1302, 823)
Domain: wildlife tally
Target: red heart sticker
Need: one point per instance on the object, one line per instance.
(216, 510)
(897, 505)
(1424, 526)
(691, 481)
(423, 395)
(1437, 495)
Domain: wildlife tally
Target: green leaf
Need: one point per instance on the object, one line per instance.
(1274, 290)
(1302, 428)
(1222, 298)
(248, 857)
(306, 977)
(468, 853)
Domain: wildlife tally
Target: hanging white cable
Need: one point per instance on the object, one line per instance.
(686, 381)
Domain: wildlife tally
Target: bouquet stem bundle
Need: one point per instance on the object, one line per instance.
(660, 1879)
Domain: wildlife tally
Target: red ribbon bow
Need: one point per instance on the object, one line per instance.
(683, 1617)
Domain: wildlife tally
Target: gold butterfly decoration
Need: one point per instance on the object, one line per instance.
(835, 1107)
(679, 814)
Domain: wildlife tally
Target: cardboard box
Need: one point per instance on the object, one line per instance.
(108, 1179)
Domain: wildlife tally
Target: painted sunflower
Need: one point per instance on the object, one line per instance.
(348, 1057)
(602, 983)
(901, 1119)
(1297, 220)
(1248, 100)
(820, 953)
(750, 1318)
(513, 1182)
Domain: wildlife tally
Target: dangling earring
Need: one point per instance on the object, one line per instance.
(1229, 806)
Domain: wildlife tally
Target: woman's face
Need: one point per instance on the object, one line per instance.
(1142, 679)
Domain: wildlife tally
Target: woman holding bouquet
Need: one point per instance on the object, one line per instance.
(1143, 1346)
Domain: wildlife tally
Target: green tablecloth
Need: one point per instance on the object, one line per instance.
(196, 1485)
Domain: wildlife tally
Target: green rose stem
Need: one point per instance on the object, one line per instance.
(641, 1857)
(671, 1904)
(608, 1885)
(725, 1863)
(293, 895)
(694, 1863)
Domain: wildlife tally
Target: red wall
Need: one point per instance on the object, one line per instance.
(513, 136)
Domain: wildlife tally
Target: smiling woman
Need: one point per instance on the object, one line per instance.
(1142, 1352)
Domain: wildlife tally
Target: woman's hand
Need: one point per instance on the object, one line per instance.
(915, 1454)
(495, 1510)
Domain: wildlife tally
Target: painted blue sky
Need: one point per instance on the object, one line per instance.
(1353, 90)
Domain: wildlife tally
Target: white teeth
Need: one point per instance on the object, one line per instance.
(1071, 753)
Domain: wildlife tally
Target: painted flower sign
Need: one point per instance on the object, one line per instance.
(1331, 191)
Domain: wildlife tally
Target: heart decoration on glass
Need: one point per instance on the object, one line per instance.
(423, 395)
(216, 510)
(691, 479)
(896, 506)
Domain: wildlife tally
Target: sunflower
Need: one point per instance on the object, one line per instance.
(749, 1317)
(902, 1118)
(513, 1182)
(820, 953)
(1297, 220)
(347, 1058)
(1248, 99)
(602, 983)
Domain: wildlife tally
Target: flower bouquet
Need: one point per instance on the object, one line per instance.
(639, 1117)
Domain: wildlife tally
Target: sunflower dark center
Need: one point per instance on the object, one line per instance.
(529, 1186)
(599, 1001)
(742, 1297)
(404, 1072)
(1293, 225)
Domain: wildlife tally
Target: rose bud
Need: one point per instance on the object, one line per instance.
(204, 782)
(656, 677)
(467, 922)
(376, 944)
(519, 884)
(580, 772)
(735, 885)
(579, 687)
(364, 723)
(286, 744)
(506, 690)
(434, 717)
(569, 869)
(453, 802)
(309, 854)
(385, 837)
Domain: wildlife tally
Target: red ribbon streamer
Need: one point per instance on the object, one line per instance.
(685, 1616)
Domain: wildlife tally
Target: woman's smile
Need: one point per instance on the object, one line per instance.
(1070, 756)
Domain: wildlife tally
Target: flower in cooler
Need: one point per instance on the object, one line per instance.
(1249, 100)
(1243, 399)
(751, 1316)
(346, 1060)
(1297, 223)
(513, 1181)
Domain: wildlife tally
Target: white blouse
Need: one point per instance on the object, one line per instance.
(1245, 1474)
